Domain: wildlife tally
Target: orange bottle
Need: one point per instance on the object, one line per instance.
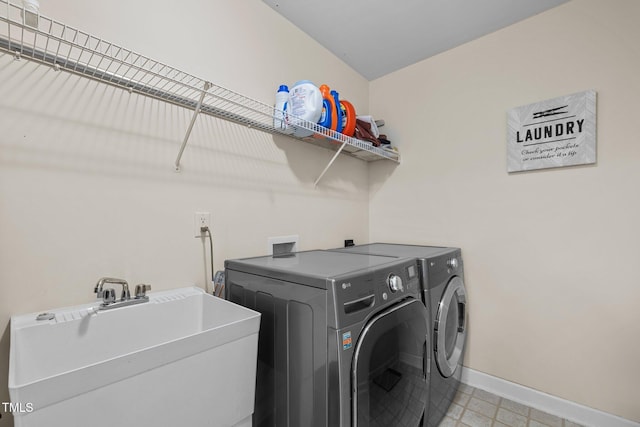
(348, 117)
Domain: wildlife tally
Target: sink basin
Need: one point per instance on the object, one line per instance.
(183, 358)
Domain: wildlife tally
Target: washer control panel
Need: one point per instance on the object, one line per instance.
(442, 266)
(356, 295)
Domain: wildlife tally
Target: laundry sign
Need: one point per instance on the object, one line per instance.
(553, 133)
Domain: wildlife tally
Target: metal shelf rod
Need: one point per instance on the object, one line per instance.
(333, 159)
(207, 85)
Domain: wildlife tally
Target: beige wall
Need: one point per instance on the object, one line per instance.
(551, 256)
(87, 186)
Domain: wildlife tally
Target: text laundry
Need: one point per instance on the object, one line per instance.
(551, 131)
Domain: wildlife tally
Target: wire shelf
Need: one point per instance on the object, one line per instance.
(42, 39)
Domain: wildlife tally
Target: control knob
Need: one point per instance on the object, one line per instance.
(453, 263)
(395, 283)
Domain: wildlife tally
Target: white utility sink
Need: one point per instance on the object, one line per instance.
(185, 358)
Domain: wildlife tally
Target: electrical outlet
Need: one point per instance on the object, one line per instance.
(201, 219)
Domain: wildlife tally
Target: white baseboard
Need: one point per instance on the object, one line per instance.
(544, 402)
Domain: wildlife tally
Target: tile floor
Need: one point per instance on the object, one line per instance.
(473, 407)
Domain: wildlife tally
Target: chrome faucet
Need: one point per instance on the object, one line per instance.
(108, 295)
(125, 287)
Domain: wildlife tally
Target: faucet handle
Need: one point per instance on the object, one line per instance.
(141, 290)
(108, 295)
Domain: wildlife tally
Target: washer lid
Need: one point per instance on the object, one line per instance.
(312, 268)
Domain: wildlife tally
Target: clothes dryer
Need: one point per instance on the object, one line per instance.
(444, 294)
(344, 339)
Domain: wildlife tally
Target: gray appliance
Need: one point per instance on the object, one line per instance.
(444, 295)
(344, 339)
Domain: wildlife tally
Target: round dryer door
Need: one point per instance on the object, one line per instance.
(450, 327)
(390, 368)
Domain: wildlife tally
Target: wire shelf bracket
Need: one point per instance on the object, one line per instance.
(65, 48)
(333, 159)
(207, 86)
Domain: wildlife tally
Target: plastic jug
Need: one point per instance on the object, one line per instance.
(304, 107)
(329, 116)
(339, 115)
(280, 107)
(348, 117)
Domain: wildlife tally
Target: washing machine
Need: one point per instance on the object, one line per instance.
(344, 338)
(444, 295)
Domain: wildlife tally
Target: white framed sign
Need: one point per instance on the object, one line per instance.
(553, 133)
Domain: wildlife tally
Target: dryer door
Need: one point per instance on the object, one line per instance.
(390, 368)
(450, 327)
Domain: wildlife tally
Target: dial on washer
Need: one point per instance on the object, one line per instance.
(395, 283)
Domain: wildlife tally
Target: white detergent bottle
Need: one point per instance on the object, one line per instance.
(280, 110)
(304, 107)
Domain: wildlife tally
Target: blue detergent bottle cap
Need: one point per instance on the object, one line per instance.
(283, 88)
